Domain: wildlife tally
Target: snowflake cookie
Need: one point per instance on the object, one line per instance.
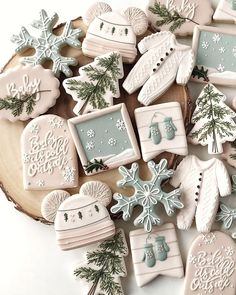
(156, 253)
(48, 154)
(109, 30)
(97, 84)
(48, 45)
(147, 194)
(105, 261)
(27, 92)
(81, 219)
(104, 139)
(211, 265)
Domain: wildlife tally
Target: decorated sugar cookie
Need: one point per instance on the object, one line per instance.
(156, 253)
(104, 139)
(179, 16)
(227, 215)
(215, 52)
(164, 61)
(196, 179)
(161, 128)
(48, 154)
(104, 261)
(26, 92)
(97, 84)
(211, 265)
(109, 30)
(79, 220)
(147, 195)
(48, 45)
(229, 153)
(225, 11)
(213, 119)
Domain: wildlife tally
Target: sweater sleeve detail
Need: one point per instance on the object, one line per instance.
(185, 68)
(223, 180)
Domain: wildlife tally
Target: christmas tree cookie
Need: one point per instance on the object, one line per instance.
(156, 253)
(81, 219)
(213, 119)
(48, 45)
(48, 154)
(104, 139)
(97, 84)
(225, 11)
(27, 92)
(103, 267)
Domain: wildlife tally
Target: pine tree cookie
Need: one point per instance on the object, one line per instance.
(104, 265)
(104, 139)
(97, 84)
(226, 11)
(109, 30)
(48, 154)
(81, 219)
(179, 16)
(156, 253)
(213, 119)
(48, 45)
(211, 265)
(26, 92)
(161, 128)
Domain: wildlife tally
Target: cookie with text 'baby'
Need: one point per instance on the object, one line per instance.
(211, 265)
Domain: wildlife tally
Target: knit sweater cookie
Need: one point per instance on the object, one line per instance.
(201, 183)
(164, 61)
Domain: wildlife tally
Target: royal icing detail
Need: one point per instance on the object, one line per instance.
(155, 254)
(211, 266)
(215, 55)
(227, 215)
(179, 16)
(48, 45)
(97, 84)
(111, 30)
(225, 11)
(148, 194)
(111, 145)
(48, 154)
(27, 92)
(161, 128)
(164, 61)
(213, 119)
(229, 153)
(106, 261)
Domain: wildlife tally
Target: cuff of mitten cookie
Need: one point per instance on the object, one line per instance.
(128, 86)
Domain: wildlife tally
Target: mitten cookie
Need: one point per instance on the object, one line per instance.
(48, 154)
(211, 265)
(109, 30)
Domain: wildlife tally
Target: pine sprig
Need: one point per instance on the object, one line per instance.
(17, 105)
(96, 165)
(200, 72)
(166, 17)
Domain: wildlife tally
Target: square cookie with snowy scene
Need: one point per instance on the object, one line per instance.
(215, 50)
(105, 139)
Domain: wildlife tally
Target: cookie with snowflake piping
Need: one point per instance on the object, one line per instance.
(215, 51)
(27, 92)
(48, 154)
(97, 83)
(179, 16)
(211, 265)
(225, 11)
(104, 139)
(48, 45)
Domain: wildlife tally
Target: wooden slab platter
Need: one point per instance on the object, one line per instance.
(11, 182)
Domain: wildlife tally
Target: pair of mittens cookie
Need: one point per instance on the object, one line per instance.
(81, 219)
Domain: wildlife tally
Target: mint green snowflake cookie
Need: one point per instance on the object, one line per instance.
(147, 194)
(47, 46)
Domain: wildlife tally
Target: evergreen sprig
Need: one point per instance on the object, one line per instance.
(101, 80)
(96, 165)
(17, 105)
(108, 263)
(166, 17)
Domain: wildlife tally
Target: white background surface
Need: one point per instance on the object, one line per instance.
(30, 262)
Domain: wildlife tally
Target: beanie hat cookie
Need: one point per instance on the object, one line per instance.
(81, 219)
(109, 30)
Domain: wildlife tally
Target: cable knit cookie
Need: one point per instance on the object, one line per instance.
(201, 184)
(164, 60)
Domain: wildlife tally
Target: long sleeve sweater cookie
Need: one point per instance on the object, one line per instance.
(164, 60)
(201, 184)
